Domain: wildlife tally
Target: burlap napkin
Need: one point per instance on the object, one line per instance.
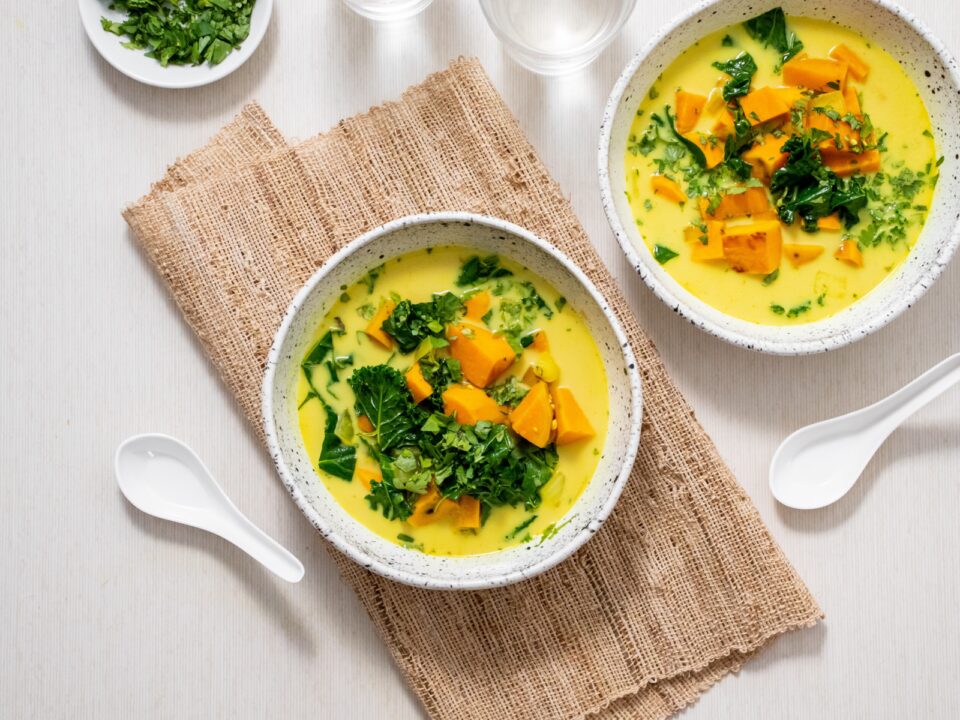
(682, 584)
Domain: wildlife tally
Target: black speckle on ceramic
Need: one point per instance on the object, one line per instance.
(282, 429)
(935, 74)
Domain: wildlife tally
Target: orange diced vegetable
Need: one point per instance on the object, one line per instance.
(848, 163)
(801, 254)
(754, 248)
(791, 96)
(713, 250)
(532, 419)
(819, 74)
(483, 356)
(763, 104)
(468, 515)
(431, 507)
(751, 201)
(852, 100)
(374, 330)
(711, 146)
(470, 405)
(417, 383)
(363, 422)
(856, 67)
(766, 155)
(667, 188)
(572, 422)
(540, 342)
(689, 107)
(367, 475)
(823, 109)
(830, 222)
(723, 127)
(477, 305)
(850, 253)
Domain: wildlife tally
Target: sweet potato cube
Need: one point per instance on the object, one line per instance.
(723, 127)
(689, 106)
(711, 145)
(820, 74)
(431, 507)
(799, 254)
(852, 100)
(792, 96)
(849, 252)
(763, 104)
(364, 424)
(857, 68)
(713, 250)
(483, 356)
(532, 419)
(374, 329)
(751, 201)
(417, 383)
(540, 342)
(667, 188)
(754, 248)
(367, 475)
(766, 155)
(572, 423)
(477, 305)
(848, 163)
(470, 405)
(468, 512)
(830, 223)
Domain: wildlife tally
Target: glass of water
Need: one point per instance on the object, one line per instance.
(387, 10)
(556, 37)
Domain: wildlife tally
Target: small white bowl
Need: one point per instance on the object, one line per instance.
(935, 74)
(487, 235)
(136, 65)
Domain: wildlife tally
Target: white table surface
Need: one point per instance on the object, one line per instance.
(107, 613)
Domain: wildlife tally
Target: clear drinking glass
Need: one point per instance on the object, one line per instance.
(387, 10)
(555, 37)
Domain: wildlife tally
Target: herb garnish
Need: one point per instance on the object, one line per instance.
(476, 270)
(741, 70)
(182, 32)
(662, 254)
(770, 28)
(411, 323)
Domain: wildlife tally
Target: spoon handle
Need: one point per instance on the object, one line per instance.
(238, 530)
(913, 396)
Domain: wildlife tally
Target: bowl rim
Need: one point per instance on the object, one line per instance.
(330, 533)
(678, 304)
(197, 76)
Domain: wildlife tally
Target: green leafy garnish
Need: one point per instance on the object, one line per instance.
(662, 254)
(382, 396)
(476, 270)
(727, 41)
(182, 32)
(691, 147)
(521, 527)
(741, 70)
(771, 278)
(336, 457)
(770, 29)
(510, 392)
(410, 323)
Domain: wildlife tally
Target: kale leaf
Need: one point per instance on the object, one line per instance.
(440, 372)
(741, 70)
(770, 29)
(411, 323)
(336, 457)
(694, 149)
(808, 190)
(382, 396)
(476, 270)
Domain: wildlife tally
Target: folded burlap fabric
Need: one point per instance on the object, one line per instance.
(682, 584)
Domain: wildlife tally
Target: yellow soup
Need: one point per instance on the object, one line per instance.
(813, 179)
(453, 404)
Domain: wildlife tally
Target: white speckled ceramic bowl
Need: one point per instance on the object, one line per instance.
(935, 74)
(487, 235)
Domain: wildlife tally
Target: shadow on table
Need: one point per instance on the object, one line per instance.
(191, 103)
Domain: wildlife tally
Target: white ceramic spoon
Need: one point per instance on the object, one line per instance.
(819, 463)
(163, 477)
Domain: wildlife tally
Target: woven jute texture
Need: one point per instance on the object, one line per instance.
(682, 584)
